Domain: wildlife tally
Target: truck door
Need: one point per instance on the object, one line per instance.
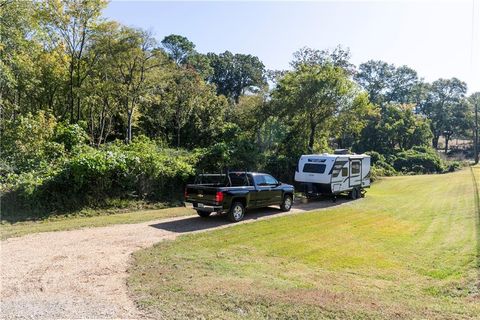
(275, 194)
(263, 193)
(355, 173)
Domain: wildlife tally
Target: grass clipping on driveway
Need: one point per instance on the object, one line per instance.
(408, 250)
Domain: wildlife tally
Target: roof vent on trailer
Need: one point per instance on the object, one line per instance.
(341, 151)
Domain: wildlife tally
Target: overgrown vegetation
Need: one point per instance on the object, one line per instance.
(96, 114)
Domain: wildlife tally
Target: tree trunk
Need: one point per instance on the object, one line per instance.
(311, 139)
(70, 96)
(435, 141)
(129, 126)
(447, 138)
(178, 136)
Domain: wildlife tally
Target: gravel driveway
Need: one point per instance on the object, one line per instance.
(82, 273)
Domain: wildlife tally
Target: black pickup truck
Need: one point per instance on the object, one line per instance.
(235, 192)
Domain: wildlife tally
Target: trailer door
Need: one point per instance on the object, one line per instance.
(355, 173)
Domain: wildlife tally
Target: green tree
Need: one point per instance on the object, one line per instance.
(386, 83)
(339, 57)
(312, 95)
(233, 74)
(443, 104)
(135, 63)
(178, 48)
(72, 24)
(393, 127)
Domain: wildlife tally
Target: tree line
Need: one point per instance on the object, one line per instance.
(71, 79)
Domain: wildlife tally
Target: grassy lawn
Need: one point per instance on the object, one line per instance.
(8, 230)
(410, 249)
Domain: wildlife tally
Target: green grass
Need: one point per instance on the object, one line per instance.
(8, 230)
(410, 249)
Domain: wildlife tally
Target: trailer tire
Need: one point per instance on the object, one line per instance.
(236, 212)
(354, 194)
(203, 214)
(287, 203)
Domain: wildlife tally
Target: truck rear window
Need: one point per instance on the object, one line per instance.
(314, 167)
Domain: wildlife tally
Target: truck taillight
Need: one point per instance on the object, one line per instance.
(186, 193)
(219, 196)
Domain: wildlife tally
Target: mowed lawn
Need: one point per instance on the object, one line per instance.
(410, 249)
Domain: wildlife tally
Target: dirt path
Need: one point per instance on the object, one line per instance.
(81, 273)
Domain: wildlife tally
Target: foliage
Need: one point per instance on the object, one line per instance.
(394, 127)
(91, 177)
(446, 108)
(418, 160)
(234, 74)
(28, 142)
(313, 95)
(386, 83)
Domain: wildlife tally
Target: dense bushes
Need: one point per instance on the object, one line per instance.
(418, 160)
(91, 177)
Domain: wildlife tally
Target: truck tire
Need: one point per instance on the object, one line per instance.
(287, 203)
(236, 212)
(203, 214)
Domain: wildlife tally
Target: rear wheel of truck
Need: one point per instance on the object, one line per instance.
(237, 211)
(203, 214)
(287, 203)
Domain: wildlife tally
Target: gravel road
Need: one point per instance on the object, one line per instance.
(82, 273)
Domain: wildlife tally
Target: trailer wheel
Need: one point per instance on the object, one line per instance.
(236, 213)
(203, 214)
(287, 203)
(354, 194)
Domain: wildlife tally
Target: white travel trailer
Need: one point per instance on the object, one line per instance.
(332, 174)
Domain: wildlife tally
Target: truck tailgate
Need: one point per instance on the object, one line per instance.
(201, 193)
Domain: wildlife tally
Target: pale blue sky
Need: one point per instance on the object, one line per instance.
(436, 38)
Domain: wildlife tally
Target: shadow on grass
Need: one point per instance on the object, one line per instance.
(477, 219)
(193, 224)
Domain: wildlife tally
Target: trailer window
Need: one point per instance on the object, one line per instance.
(355, 167)
(314, 168)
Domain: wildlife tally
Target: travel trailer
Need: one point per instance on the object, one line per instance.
(333, 174)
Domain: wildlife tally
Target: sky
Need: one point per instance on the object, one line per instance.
(439, 39)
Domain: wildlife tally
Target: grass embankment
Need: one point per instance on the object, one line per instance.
(8, 230)
(408, 250)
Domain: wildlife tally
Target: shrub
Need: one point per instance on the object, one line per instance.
(418, 160)
(92, 177)
(380, 166)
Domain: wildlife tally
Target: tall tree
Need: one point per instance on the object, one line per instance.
(233, 74)
(339, 57)
(314, 94)
(386, 83)
(73, 23)
(444, 99)
(178, 48)
(135, 60)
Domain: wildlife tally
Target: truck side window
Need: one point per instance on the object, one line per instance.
(270, 180)
(259, 180)
(344, 172)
